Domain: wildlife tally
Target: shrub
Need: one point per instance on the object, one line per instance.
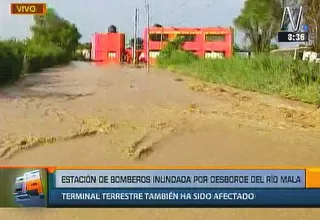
(165, 56)
(44, 56)
(304, 73)
(53, 42)
(20, 57)
(270, 74)
(79, 57)
(11, 60)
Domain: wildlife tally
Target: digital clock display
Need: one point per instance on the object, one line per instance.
(293, 36)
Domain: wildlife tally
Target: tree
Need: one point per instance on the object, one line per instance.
(236, 48)
(84, 46)
(260, 20)
(312, 18)
(52, 29)
(81, 49)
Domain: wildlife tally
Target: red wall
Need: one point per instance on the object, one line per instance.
(199, 46)
(108, 47)
(129, 55)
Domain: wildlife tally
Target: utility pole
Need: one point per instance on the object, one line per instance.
(134, 50)
(137, 28)
(147, 39)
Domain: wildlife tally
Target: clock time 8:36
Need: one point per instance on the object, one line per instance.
(293, 36)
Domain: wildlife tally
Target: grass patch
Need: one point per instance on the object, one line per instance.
(265, 73)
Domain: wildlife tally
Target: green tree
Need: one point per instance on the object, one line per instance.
(259, 20)
(54, 41)
(52, 29)
(236, 48)
(83, 46)
(312, 18)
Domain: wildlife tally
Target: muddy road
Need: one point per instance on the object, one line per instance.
(88, 115)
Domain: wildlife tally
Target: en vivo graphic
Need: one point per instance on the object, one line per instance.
(28, 8)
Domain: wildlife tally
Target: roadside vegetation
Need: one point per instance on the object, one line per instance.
(82, 52)
(266, 73)
(53, 42)
(280, 75)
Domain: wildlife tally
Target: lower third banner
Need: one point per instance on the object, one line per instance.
(146, 197)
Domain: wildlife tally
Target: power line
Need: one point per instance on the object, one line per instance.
(180, 6)
(176, 8)
(186, 3)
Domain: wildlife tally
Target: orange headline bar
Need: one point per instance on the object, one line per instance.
(28, 8)
(313, 178)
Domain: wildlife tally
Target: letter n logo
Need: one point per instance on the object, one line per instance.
(295, 23)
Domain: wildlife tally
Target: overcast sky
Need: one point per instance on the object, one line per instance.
(92, 16)
(96, 15)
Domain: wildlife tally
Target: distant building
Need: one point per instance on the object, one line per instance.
(210, 42)
(108, 47)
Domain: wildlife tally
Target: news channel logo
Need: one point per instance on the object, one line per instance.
(29, 189)
(23, 187)
(303, 28)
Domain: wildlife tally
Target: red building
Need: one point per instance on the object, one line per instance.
(211, 42)
(108, 47)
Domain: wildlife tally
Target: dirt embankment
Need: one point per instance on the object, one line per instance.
(85, 115)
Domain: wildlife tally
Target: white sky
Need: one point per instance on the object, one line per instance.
(96, 15)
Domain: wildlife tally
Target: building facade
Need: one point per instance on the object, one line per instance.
(211, 42)
(108, 47)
